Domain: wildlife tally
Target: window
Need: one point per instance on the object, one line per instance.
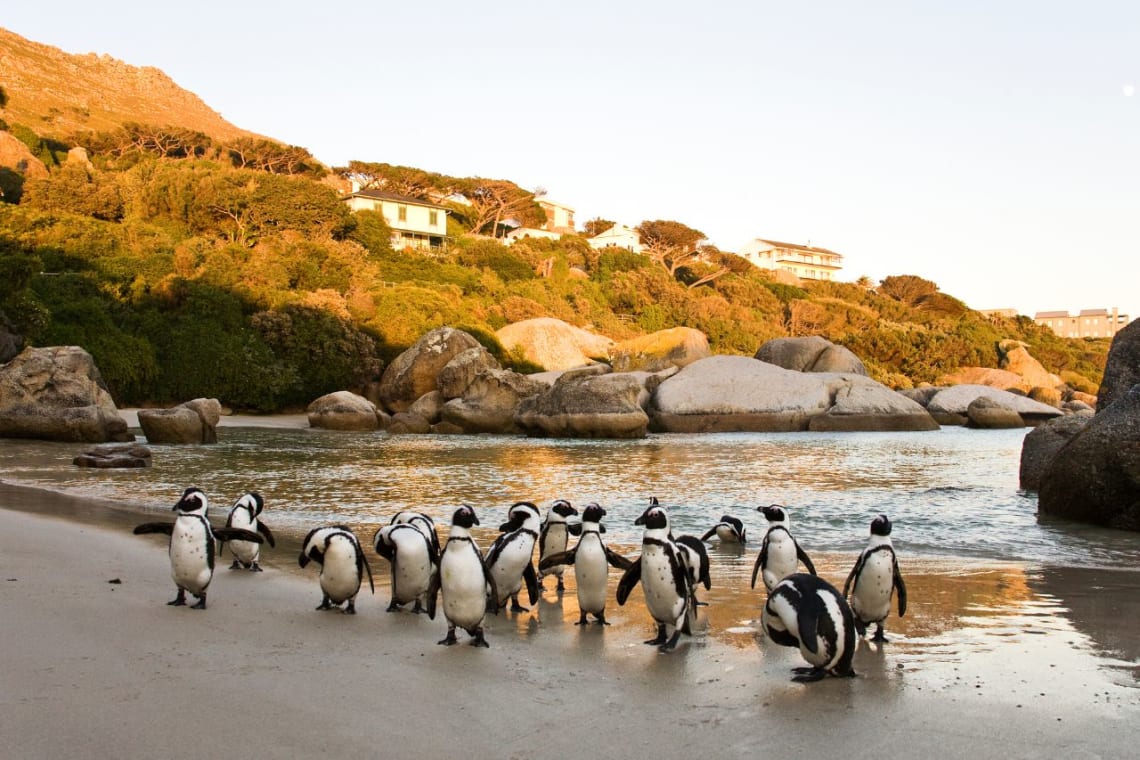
(402, 213)
(433, 218)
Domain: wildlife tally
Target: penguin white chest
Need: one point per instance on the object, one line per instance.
(411, 573)
(462, 585)
(246, 551)
(191, 554)
(661, 597)
(340, 578)
(781, 561)
(516, 554)
(591, 571)
(871, 598)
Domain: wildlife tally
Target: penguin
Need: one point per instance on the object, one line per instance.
(342, 562)
(421, 521)
(192, 545)
(553, 539)
(780, 553)
(806, 611)
(246, 514)
(873, 580)
(591, 559)
(413, 561)
(463, 579)
(664, 578)
(730, 530)
(510, 557)
(696, 558)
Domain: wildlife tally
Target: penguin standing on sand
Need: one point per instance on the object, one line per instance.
(806, 611)
(463, 579)
(780, 554)
(413, 560)
(343, 565)
(730, 530)
(420, 521)
(192, 545)
(553, 539)
(875, 577)
(591, 559)
(510, 558)
(246, 514)
(664, 578)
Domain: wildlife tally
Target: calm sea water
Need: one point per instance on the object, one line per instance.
(950, 493)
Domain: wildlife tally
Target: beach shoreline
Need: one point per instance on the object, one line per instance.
(107, 669)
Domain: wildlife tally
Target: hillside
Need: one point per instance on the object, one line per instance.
(58, 94)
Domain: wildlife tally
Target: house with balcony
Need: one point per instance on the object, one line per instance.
(415, 223)
(807, 262)
(1087, 323)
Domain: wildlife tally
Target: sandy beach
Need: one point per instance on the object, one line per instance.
(96, 668)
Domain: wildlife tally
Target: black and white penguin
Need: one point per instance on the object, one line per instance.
(192, 545)
(423, 522)
(730, 530)
(697, 564)
(664, 578)
(780, 554)
(875, 577)
(413, 560)
(510, 558)
(464, 580)
(806, 611)
(591, 559)
(246, 514)
(343, 565)
(554, 538)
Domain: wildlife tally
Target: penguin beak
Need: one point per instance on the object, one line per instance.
(641, 520)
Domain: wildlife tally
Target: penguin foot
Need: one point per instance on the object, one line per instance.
(325, 605)
(561, 586)
(669, 645)
(178, 601)
(201, 605)
(516, 607)
(255, 568)
(581, 619)
(601, 620)
(450, 640)
(236, 565)
(660, 639)
(350, 608)
(808, 675)
(418, 608)
(879, 637)
(393, 607)
(479, 641)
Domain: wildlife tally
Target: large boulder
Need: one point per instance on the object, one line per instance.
(1014, 357)
(1042, 444)
(993, 378)
(810, 354)
(415, 371)
(192, 422)
(992, 414)
(949, 405)
(344, 410)
(491, 401)
(1122, 368)
(1095, 477)
(677, 347)
(860, 403)
(458, 374)
(589, 403)
(553, 344)
(114, 456)
(57, 394)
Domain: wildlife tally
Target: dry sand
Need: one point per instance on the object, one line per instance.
(92, 668)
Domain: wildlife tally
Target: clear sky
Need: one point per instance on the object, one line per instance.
(992, 147)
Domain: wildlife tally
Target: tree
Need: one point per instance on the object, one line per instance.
(399, 180)
(908, 288)
(273, 157)
(493, 201)
(671, 244)
(597, 226)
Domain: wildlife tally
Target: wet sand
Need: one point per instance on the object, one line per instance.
(997, 661)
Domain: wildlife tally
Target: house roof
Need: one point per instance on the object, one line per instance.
(380, 195)
(1094, 312)
(1050, 314)
(798, 247)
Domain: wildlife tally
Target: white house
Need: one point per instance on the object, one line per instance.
(620, 236)
(414, 223)
(804, 261)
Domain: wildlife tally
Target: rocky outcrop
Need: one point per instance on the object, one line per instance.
(1122, 368)
(811, 354)
(1095, 477)
(1043, 442)
(16, 156)
(114, 456)
(678, 347)
(987, 376)
(57, 394)
(458, 374)
(588, 403)
(429, 406)
(490, 402)
(949, 405)
(414, 372)
(553, 344)
(860, 403)
(992, 414)
(344, 410)
(11, 343)
(192, 422)
(1013, 356)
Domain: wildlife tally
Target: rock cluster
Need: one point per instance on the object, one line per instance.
(115, 455)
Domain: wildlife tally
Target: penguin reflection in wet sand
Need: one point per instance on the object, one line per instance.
(664, 576)
(192, 545)
(591, 559)
(246, 514)
(554, 538)
(780, 554)
(343, 565)
(875, 577)
(464, 580)
(510, 558)
(413, 560)
(730, 530)
(806, 611)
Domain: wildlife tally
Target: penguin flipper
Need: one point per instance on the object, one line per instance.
(489, 579)
(807, 620)
(561, 558)
(574, 529)
(629, 579)
(237, 534)
(853, 574)
(264, 530)
(531, 579)
(803, 557)
(760, 559)
(167, 528)
(362, 560)
(617, 560)
(383, 548)
(432, 595)
(901, 586)
(709, 533)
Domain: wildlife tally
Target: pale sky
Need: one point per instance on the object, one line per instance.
(992, 147)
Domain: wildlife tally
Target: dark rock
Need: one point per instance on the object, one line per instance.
(114, 456)
(1122, 368)
(1042, 444)
(992, 414)
(585, 404)
(810, 354)
(405, 423)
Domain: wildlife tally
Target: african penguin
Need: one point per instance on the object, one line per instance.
(696, 558)
(591, 559)
(246, 514)
(510, 558)
(664, 578)
(192, 545)
(464, 580)
(343, 565)
(422, 522)
(413, 561)
(806, 611)
(554, 538)
(780, 554)
(875, 577)
(730, 530)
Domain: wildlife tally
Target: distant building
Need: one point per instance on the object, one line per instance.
(804, 261)
(414, 223)
(1088, 323)
(559, 217)
(620, 236)
(992, 313)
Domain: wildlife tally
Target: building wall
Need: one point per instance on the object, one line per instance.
(809, 265)
(1090, 323)
(412, 226)
(559, 218)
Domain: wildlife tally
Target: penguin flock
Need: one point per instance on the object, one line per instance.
(801, 610)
